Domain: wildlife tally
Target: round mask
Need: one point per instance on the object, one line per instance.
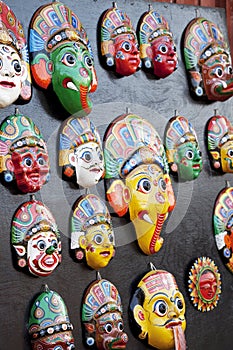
(36, 239)
(102, 317)
(92, 233)
(182, 149)
(157, 47)
(207, 61)
(15, 79)
(220, 143)
(61, 55)
(137, 179)
(24, 156)
(80, 152)
(157, 311)
(119, 45)
(204, 284)
(49, 325)
(223, 226)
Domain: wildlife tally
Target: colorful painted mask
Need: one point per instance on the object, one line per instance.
(36, 239)
(223, 225)
(62, 55)
(220, 143)
(207, 61)
(23, 154)
(137, 178)
(102, 317)
(204, 284)
(92, 233)
(182, 149)
(157, 47)
(119, 45)
(157, 309)
(49, 325)
(81, 154)
(15, 79)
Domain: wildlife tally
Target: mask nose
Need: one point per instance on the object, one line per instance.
(50, 250)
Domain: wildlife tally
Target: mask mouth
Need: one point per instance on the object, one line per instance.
(105, 254)
(7, 84)
(68, 84)
(171, 324)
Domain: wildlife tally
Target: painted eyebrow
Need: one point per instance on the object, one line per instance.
(159, 293)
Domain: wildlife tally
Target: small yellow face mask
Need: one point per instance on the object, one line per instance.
(227, 157)
(98, 244)
(161, 315)
(148, 206)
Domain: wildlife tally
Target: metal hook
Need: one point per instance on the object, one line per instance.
(197, 12)
(98, 275)
(114, 4)
(152, 266)
(215, 111)
(175, 112)
(32, 197)
(150, 8)
(16, 110)
(127, 110)
(45, 288)
(227, 183)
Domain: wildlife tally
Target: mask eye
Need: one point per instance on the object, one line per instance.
(111, 238)
(41, 244)
(120, 326)
(86, 156)
(98, 239)
(229, 69)
(88, 61)
(219, 72)
(160, 308)
(54, 243)
(41, 161)
(179, 304)
(69, 59)
(100, 156)
(126, 46)
(174, 48)
(189, 154)
(162, 185)
(144, 186)
(163, 48)
(17, 66)
(230, 153)
(27, 162)
(108, 327)
(71, 347)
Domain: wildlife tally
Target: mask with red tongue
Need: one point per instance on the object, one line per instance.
(137, 178)
(157, 310)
